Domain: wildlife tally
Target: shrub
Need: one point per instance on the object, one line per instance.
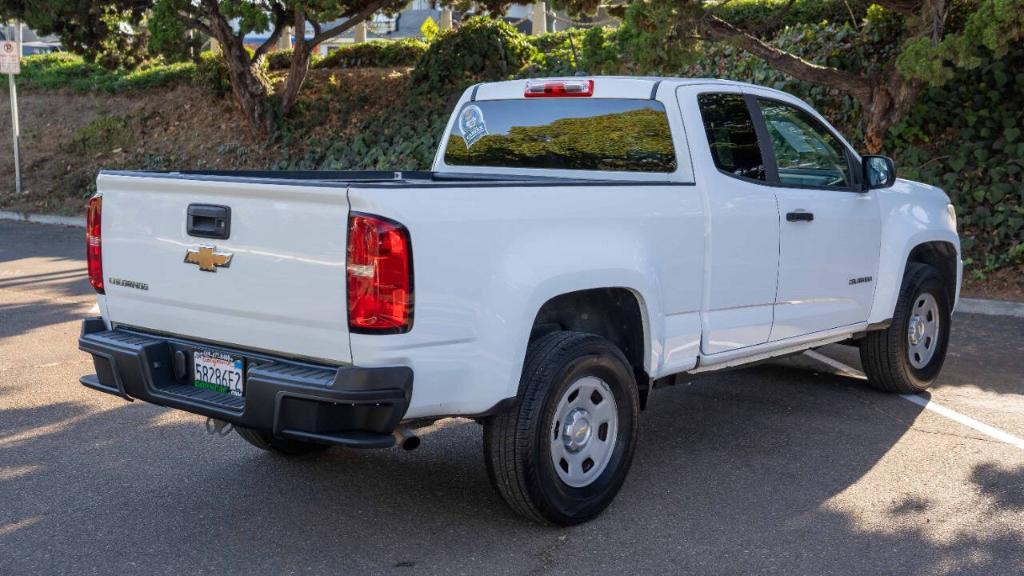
(554, 54)
(596, 52)
(59, 70)
(481, 49)
(375, 54)
(62, 70)
(282, 60)
(212, 74)
(279, 60)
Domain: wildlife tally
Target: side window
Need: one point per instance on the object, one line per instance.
(731, 134)
(806, 153)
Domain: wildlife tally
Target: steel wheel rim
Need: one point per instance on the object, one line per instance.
(583, 431)
(923, 330)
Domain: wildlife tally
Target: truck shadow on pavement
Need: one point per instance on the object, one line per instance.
(21, 318)
(735, 474)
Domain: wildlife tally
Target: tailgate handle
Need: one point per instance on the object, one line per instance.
(209, 221)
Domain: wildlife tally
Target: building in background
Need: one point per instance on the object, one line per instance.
(31, 42)
(532, 18)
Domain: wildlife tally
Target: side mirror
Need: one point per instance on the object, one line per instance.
(879, 172)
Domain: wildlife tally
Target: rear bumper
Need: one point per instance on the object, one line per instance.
(347, 405)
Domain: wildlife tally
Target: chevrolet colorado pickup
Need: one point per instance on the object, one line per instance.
(578, 243)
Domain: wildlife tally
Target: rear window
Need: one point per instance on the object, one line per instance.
(563, 133)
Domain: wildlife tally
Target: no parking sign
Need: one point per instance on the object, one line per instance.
(10, 60)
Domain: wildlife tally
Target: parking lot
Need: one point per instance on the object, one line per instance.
(791, 467)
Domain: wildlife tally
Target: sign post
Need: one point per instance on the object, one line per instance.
(10, 64)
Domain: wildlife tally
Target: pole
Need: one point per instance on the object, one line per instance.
(15, 129)
(539, 18)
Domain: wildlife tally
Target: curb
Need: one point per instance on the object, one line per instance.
(76, 221)
(991, 307)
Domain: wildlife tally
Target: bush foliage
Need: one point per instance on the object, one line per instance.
(63, 70)
(375, 54)
(479, 50)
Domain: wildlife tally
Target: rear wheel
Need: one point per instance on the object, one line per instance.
(285, 446)
(906, 357)
(561, 453)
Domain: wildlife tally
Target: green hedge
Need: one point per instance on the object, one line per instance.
(479, 50)
(63, 70)
(597, 52)
(375, 54)
(281, 60)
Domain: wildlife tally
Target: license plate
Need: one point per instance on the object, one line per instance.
(218, 372)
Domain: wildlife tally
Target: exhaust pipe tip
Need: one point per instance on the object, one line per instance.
(407, 439)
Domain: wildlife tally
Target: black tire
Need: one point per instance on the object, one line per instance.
(885, 354)
(283, 446)
(517, 450)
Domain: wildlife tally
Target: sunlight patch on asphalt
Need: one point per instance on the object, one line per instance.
(12, 472)
(926, 403)
(6, 529)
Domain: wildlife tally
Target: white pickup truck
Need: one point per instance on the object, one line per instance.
(578, 243)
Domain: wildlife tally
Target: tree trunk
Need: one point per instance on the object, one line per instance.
(250, 91)
(247, 84)
(299, 67)
(891, 98)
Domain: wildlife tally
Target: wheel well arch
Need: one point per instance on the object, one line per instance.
(942, 256)
(615, 313)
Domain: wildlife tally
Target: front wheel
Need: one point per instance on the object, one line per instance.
(561, 453)
(906, 357)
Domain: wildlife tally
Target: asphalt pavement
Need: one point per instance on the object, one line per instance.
(791, 467)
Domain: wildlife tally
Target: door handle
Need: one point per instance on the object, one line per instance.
(799, 216)
(209, 221)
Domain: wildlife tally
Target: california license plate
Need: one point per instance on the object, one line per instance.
(218, 372)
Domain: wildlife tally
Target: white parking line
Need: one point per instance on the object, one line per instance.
(926, 403)
(843, 368)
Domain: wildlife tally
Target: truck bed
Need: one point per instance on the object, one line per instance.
(342, 178)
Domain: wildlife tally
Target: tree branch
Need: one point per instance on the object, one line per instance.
(353, 18)
(857, 86)
(280, 23)
(195, 22)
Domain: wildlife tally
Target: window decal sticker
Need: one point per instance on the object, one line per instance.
(472, 125)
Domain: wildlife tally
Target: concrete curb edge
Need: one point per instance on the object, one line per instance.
(991, 307)
(76, 221)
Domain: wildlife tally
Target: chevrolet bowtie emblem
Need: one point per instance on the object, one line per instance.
(207, 258)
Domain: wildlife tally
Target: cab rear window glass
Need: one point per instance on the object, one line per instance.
(563, 133)
(731, 134)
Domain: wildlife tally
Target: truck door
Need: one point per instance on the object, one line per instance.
(829, 236)
(742, 218)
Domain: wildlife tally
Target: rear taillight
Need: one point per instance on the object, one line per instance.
(379, 275)
(93, 242)
(559, 89)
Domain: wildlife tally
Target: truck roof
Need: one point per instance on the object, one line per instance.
(606, 86)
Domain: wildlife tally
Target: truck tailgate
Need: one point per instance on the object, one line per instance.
(283, 289)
